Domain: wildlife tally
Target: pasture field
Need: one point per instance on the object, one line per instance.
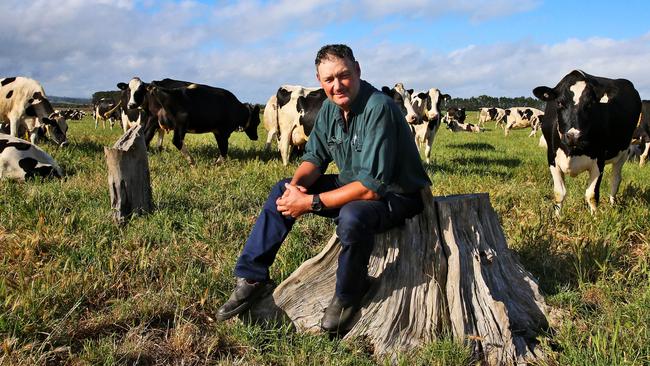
(76, 289)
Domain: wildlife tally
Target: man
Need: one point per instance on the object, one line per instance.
(377, 188)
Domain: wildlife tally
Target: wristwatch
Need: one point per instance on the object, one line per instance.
(316, 204)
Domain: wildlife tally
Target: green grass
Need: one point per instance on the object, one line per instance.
(77, 289)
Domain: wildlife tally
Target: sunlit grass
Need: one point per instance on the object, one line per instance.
(77, 289)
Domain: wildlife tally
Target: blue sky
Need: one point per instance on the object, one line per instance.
(464, 47)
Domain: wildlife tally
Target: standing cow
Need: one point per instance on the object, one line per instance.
(427, 108)
(22, 160)
(24, 105)
(106, 109)
(497, 115)
(201, 109)
(296, 111)
(641, 134)
(588, 122)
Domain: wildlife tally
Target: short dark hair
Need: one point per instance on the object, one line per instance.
(337, 50)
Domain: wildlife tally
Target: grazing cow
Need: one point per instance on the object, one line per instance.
(25, 107)
(106, 109)
(588, 122)
(201, 109)
(497, 115)
(297, 108)
(402, 98)
(641, 134)
(22, 160)
(522, 117)
(455, 120)
(427, 108)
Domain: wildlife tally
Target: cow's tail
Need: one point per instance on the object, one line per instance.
(108, 113)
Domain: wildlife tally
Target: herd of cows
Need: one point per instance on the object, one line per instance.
(588, 122)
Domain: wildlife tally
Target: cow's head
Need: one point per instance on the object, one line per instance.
(433, 103)
(135, 93)
(577, 99)
(53, 126)
(402, 98)
(253, 121)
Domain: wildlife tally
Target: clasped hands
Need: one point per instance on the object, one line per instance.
(294, 201)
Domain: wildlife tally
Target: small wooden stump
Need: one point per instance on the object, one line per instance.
(129, 181)
(448, 271)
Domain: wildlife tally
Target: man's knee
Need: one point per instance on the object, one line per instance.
(352, 226)
(278, 189)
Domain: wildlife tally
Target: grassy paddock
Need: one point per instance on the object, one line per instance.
(76, 289)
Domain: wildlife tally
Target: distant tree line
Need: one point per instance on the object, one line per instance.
(475, 103)
(110, 94)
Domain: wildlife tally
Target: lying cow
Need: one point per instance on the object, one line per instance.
(497, 115)
(455, 120)
(296, 111)
(427, 108)
(25, 107)
(588, 123)
(22, 160)
(641, 134)
(201, 109)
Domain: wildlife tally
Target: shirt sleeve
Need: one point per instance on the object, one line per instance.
(379, 148)
(316, 151)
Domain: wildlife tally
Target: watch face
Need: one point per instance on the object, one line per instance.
(316, 205)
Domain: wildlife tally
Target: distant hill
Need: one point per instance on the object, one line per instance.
(65, 101)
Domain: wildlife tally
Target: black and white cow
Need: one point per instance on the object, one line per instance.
(270, 121)
(641, 136)
(522, 117)
(588, 122)
(427, 109)
(455, 120)
(138, 98)
(402, 98)
(25, 107)
(201, 109)
(21, 160)
(296, 111)
(497, 115)
(106, 109)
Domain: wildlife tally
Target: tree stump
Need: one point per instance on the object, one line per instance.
(447, 271)
(128, 176)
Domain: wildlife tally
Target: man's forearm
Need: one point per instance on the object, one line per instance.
(350, 192)
(306, 174)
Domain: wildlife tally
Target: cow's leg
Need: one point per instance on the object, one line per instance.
(96, 120)
(615, 180)
(222, 143)
(644, 157)
(559, 190)
(285, 147)
(178, 141)
(430, 135)
(592, 194)
(269, 139)
(161, 134)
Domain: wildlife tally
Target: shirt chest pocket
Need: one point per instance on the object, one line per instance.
(357, 143)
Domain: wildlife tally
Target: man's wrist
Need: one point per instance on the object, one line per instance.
(316, 204)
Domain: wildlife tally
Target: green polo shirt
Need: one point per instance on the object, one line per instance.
(377, 149)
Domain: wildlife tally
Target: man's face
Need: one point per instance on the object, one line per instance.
(341, 79)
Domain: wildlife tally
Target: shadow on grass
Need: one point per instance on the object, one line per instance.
(211, 152)
(474, 166)
(481, 146)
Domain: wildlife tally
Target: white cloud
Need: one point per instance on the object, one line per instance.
(79, 47)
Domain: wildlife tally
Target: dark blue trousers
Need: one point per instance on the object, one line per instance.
(357, 223)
